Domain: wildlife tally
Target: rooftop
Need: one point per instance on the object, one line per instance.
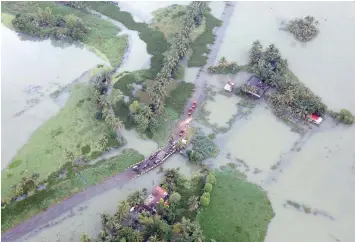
(157, 194)
(256, 87)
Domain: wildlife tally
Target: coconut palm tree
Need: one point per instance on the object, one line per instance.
(136, 198)
(103, 142)
(85, 238)
(223, 62)
(122, 210)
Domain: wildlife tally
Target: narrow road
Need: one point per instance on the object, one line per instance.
(58, 209)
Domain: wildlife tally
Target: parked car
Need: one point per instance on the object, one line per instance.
(190, 112)
(157, 161)
(194, 105)
(136, 167)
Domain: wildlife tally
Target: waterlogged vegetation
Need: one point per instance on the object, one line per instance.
(303, 29)
(155, 40)
(69, 179)
(100, 35)
(169, 20)
(225, 67)
(238, 211)
(199, 47)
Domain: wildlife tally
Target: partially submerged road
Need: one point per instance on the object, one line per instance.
(58, 209)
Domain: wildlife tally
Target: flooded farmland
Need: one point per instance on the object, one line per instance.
(320, 173)
(32, 71)
(318, 176)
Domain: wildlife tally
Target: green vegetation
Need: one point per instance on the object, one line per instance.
(179, 96)
(343, 116)
(156, 42)
(102, 35)
(173, 221)
(248, 203)
(202, 148)
(43, 24)
(200, 45)
(6, 19)
(65, 182)
(292, 98)
(303, 29)
(71, 129)
(169, 20)
(225, 67)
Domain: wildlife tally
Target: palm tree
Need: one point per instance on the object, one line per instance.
(135, 198)
(104, 219)
(193, 203)
(85, 238)
(122, 211)
(223, 62)
(154, 238)
(103, 142)
(118, 124)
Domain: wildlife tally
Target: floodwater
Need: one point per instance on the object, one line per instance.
(320, 173)
(142, 11)
(137, 57)
(30, 71)
(221, 109)
(86, 217)
(217, 8)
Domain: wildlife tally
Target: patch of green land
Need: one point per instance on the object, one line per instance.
(200, 45)
(238, 211)
(71, 129)
(156, 42)
(102, 38)
(59, 188)
(169, 20)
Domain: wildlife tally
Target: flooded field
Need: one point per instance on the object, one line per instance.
(26, 84)
(142, 11)
(86, 217)
(319, 176)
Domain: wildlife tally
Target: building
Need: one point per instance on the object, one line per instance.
(154, 198)
(229, 86)
(256, 87)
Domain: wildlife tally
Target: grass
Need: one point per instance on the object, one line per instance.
(199, 46)
(169, 21)
(72, 128)
(238, 211)
(179, 96)
(102, 38)
(155, 40)
(6, 19)
(58, 189)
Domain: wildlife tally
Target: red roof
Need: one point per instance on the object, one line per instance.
(157, 194)
(314, 116)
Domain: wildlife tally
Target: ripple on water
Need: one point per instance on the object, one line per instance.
(222, 109)
(322, 176)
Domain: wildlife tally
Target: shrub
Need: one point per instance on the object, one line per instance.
(208, 187)
(211, 179)
(178, 72)
(343, 116)
(206, 194)
(85, 149)
(212, 136)
(204, 201)
(174, 198)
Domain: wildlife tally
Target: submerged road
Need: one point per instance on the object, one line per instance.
(69, 203)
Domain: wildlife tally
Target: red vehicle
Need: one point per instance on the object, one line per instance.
(181, 133)
(190, 112)
(194, 105)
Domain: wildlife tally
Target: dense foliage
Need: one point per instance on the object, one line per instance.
(202, 148)
(174, 219)
(303, 29)
(292, 97)
(44, 24)
(343, 116)
(224, 67)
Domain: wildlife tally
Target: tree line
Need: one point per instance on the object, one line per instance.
(178, 49)
(44, 24)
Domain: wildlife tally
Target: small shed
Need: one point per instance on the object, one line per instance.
(256, 87)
